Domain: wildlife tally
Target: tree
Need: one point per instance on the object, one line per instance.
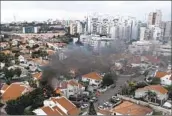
(17, 61)
(91, 110)
(108, 79)
(8, 75)
(32, 83)
(18, 71)
(155, 81)
(151, 95)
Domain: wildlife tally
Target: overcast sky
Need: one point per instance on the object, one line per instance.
(43, 10)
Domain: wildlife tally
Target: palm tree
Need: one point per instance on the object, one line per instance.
(151, 95)
(91, 110)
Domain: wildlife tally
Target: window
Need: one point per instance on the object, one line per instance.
(70, 90)
(97, 81)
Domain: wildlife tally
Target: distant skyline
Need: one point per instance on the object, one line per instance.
(77, 10)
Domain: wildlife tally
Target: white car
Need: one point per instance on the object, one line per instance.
(100, 107)
(84, 106)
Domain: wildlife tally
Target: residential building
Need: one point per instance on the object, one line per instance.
(167, 31)
(71, 87)
(114, 29)
(155, 18)
(140, 46)
(94, 24)
(93, 78)
(73, 28)
(14, 90)
(157, 33)
(161, 92)
(80, 27)
(59, 106)
(166, 78)
(129, 108)
(164, 49)
(142, 33)
(105, 25)
(30, 29)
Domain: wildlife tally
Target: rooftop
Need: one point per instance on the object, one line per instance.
(127, 107)
(157, 88)
(93, 75)
(13, 91)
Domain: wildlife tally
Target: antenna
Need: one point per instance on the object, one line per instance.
(14, 18)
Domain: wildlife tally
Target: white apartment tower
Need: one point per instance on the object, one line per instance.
(142, 33)
(73, 28)
(94, 24)
(168, 30)
(155, 18)
(104, 25)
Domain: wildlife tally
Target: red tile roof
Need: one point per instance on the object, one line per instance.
(157, 88)
(130, 108)
(93, 75)
(14, 91)
(161, 74)
(68, 105)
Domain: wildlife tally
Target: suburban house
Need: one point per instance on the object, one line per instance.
(24, 72)
(165, 77)
(71, 87)
(129, 108)
(166, 80)
(57, 106)
(93, 78)
(3, 45)
(14, 90)
(21, 59)
(161, 92)
(31, 43)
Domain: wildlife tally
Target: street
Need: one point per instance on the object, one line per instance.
(112, 91)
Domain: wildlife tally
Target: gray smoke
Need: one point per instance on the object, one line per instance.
(83, 59)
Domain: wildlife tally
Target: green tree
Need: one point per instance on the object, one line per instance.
(32, 83)
(108, 79)
(8, 75)
(91, 110)
(17, 61)
(151, 95)
(156, 81)
(18, 71)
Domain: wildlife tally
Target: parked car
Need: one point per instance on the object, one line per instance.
(113, 86)
(102, 89)
(84, 106)
(100, 107)
(106, 104)
(95, 99)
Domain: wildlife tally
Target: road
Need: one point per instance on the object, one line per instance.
(112, 91)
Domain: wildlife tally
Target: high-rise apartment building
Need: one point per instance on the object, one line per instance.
(167, 30)
(73, 28)
(155, 18)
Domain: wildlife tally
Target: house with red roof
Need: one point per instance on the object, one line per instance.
(92, 78)
(58, 106)
(70, 87)
(165, 77)
(161, 92)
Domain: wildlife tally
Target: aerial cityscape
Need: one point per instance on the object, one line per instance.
(85, 58)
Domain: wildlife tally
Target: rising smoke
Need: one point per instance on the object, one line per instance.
(82, 59)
